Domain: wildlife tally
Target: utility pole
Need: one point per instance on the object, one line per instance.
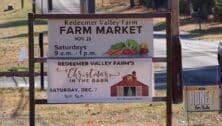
(177, 86)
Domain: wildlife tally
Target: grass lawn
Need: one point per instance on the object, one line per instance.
(14, 109)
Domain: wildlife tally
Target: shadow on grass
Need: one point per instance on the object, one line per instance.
(21, 104)
(209, 31)
(187, 21)
(21, 23)
(24, 35)
(160, 26)
(163, 35)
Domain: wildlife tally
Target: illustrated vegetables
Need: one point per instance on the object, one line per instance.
(119, 45)
(129, 47)
(132, 44)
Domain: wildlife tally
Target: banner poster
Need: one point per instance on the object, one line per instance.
(100, 80)
(201, 98)
(100, 60)
(100, 38)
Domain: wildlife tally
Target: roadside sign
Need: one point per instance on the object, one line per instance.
(100, 60)
(201, 98)
(108, 37)
(142, 55)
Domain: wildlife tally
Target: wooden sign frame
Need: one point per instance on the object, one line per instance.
(32, 59)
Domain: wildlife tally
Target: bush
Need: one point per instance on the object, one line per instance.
(218, 10)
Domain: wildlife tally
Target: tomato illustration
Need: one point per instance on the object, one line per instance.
(144, 51)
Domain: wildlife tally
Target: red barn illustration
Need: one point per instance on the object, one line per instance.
(130, 86)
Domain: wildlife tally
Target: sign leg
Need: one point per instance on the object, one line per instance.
(31, 71)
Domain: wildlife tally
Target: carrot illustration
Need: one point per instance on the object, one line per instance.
(114, 52)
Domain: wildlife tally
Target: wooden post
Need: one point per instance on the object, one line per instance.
(33, 6)
(50, 6)
(83, 7)
(22, 4)
(91, 6)
(173, 6)
(31, 70)
(169, 71)
(177, 91)
(41, 47)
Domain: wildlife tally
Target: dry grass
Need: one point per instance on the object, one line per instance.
(14, 111)
(15, 103)
(210, 31)
(14, 34)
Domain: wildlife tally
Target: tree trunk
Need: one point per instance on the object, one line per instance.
(132, 3)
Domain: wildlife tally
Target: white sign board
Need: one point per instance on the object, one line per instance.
(101, 38)
(100, 80)
(201, 98)
(100, 60)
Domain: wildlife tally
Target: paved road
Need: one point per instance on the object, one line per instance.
(199, 61)
(18, 82)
